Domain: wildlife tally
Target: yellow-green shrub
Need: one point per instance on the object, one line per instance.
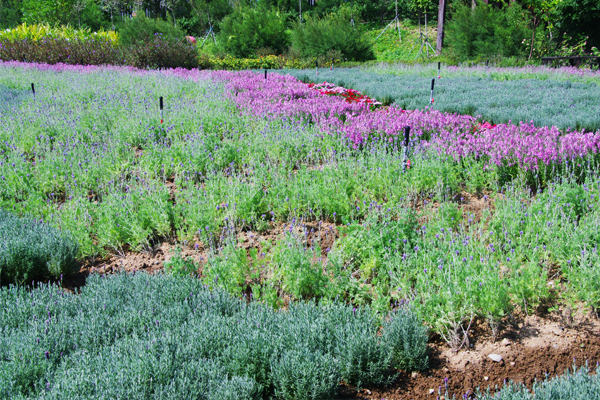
(38, 32)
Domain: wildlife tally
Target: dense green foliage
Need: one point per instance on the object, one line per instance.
(249, 29)
(61, 50)
(554, 27)
(332, 34)
(495, 94)
(487, 31)
(142, 43)
(159, 52)
(142, 337)
(142, 29)
(31, 249)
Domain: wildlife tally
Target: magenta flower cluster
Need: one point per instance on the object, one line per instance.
(454, 135)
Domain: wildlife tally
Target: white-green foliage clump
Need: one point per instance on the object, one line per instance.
(576, 385)
(142, 337)
(407, 337)
(31, 249)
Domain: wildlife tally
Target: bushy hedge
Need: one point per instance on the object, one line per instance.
(332, 34)
(158, 336)
(61, 50)
(39, 32)
(31, 249)
(487, 31)
(143, 43)
(161, 52)
(142, 29)
(248, 29)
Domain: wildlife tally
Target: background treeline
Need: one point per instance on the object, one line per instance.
(334, 29)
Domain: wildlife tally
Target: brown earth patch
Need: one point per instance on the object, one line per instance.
(535, 348)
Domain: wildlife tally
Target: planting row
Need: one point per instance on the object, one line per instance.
(493, 95)
(140, 337)
(459, 136)
(324, 218)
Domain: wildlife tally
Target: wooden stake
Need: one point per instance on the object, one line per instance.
(161, 109)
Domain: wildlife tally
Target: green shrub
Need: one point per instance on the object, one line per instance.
(180, 266)
(154, 43)
(228, 270)
(248, 29)
(101, 51)
(31, 249)
(330, 35)
(142, 29)
(162, 52)
(363, 361)
(407, 337)
(487, 31)
(303, 375)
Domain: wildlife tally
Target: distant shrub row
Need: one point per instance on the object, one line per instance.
(142, 43)
(31, 249)
(247, 34)
(142, 337)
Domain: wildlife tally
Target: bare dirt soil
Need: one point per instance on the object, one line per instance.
(535, 348)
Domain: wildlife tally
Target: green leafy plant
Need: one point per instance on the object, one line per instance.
(487, 31)
(143, 29)
(159, 51)
(296, 269)
(248, 29)
(180, 266)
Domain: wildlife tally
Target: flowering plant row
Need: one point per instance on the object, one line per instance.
(455, 135)
(349, 95)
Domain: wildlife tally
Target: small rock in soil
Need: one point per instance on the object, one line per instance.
(506, 342)
(495, 357)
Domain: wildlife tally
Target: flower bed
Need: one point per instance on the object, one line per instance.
(349, 95)
(340, 111)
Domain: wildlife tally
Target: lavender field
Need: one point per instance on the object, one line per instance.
(288, 192)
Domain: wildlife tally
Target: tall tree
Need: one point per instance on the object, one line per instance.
(170, 5)
(211, 11)
(541, 11)
(441, 20)
(111, 6)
